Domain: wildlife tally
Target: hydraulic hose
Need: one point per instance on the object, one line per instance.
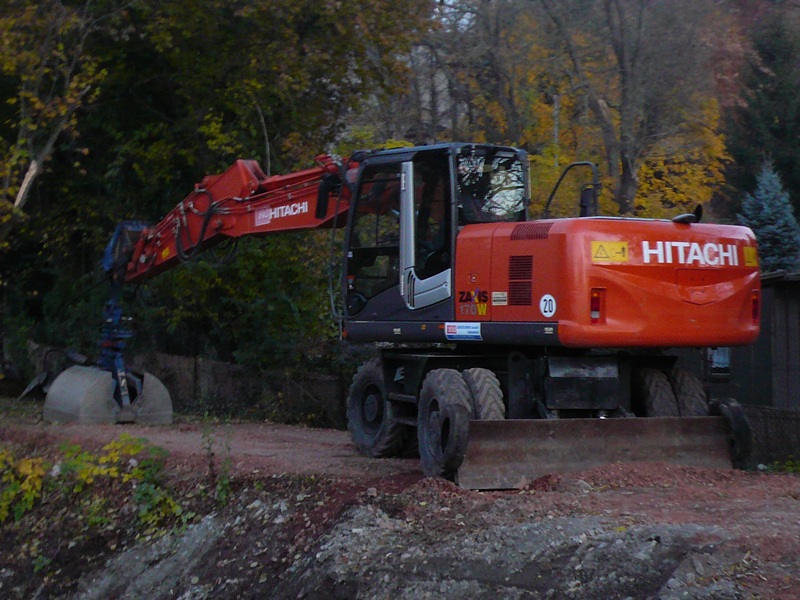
(195, 247)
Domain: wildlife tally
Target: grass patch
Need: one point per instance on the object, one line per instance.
(62, 509)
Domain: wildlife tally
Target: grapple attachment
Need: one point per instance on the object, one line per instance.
(87, 395)
(511, 454)
(109, 392)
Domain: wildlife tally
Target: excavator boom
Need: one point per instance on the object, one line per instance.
(242, 201)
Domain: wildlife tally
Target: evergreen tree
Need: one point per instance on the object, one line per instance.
(767, 123)
(769, 214)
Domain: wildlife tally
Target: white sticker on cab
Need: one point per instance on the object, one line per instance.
(463, 331)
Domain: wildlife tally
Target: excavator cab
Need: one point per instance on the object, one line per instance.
(406, 213)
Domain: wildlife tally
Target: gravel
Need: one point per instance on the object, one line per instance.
(308, 518)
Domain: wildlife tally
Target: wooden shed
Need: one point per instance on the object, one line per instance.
(767, 373)
(765, 376)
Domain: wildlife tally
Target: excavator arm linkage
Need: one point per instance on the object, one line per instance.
(242, 201)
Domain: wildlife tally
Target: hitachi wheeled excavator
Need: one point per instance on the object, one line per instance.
(508, 347)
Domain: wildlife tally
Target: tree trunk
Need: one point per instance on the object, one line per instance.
(610, 142)
(34, 170)
(627, 187)
(263, 121)
(598, 105)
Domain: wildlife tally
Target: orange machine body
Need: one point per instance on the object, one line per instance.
(611, 282)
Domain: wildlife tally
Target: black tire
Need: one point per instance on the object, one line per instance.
(410, 446)
(655, 394)
(689, 392)
(741, 440)
(370, 417)
(622, 413)
(443, 425)
(486, 395)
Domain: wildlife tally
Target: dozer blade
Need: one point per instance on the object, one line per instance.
(86, 395)
(511, 454)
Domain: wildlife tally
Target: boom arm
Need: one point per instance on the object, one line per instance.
(241, 201)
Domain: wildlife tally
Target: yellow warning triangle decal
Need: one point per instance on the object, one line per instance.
(601, 252)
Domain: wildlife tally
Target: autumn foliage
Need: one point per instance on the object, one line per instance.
(113, 109)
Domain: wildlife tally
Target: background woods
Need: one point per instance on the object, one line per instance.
(113, 109)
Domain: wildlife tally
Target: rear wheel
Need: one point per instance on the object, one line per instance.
(655, 394)
(370, 418)
(741, 436)
(689, 393)
(443, 425)
(486, 395)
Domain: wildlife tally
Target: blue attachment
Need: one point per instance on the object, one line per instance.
(120, 246)
(113, 334)
(112, 347)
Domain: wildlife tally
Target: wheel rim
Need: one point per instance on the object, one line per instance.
(372, 409)
(444, 434)
(438, 430)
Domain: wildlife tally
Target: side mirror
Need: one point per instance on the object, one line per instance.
(692, 217)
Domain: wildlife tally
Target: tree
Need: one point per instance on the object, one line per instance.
(51, 77)
(189, 86)
(685, 170)
(625, 83)
(431, 107)
(769, 214)
(767, 120)
(644, 70)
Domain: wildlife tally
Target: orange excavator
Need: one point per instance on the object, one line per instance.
(508, 347)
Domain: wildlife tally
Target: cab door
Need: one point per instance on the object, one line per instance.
(426, 246)
(400, 246)
(373, 249)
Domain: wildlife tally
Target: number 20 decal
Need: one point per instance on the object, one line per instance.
(547, 305)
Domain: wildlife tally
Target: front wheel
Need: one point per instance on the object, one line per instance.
(486, 395)
(370, 417)
(443, 423)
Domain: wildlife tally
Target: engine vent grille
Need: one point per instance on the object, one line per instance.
(520, 268)
(531, 230)
(520, 293)
(520, 284)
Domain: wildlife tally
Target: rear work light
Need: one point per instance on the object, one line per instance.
(597, 305)
(756, 298)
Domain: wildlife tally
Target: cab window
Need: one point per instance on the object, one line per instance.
(491, 187)
(432, 214)
(374, 252)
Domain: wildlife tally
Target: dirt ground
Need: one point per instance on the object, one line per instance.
(309, 518)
